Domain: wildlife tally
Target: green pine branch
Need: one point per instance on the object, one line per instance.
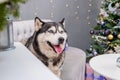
(11, 7)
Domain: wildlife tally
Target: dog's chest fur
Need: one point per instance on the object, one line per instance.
(48, 59)
(53, 61)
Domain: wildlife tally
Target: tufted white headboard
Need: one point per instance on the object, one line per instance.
(24, 29)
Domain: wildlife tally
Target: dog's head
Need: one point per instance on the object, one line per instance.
(51, 35)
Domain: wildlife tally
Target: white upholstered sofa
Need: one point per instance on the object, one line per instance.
(74, 65)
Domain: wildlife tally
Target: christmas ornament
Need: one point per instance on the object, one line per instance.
(107, 31)
(117, 49)
(118, 36)
(91, 49)
(103, 13)
(111, 8)
(117, 5)
(110, 37)
(98, 21)
(103, 23)
(91, 31)
(94, 52)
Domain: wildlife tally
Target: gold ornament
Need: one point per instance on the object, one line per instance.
(110, 37)
(118, 36)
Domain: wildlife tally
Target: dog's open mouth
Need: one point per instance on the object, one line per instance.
(57, 48)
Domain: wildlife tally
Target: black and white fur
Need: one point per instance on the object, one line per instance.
(48, 44)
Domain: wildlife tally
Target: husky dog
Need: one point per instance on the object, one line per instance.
(48, 44)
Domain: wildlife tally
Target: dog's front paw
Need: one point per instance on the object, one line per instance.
(58, 74)
(56, 71)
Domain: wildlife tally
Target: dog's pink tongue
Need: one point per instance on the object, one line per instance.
(58, 49)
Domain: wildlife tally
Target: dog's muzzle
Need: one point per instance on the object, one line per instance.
(60, 40)
(57, 48)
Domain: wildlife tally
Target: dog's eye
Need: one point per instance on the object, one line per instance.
(51, 31)
(61, 32)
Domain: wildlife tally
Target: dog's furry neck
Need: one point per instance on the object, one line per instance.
(44, 58)
(35, 46)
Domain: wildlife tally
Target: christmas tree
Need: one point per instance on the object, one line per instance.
(106, 34)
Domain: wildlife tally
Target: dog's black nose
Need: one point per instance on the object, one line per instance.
(61, 40)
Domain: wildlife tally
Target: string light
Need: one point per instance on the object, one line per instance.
(89, 23)
(66, 5)
(51, 1)
(36, 9)
(78, 7)
(77, 10)
(76, 13)
(90, 0)
(90, 5)
(89, 10)
(77, 18)
(102, 2)
(87, 17)
(52, 8)
(51, 14)
(35, 13)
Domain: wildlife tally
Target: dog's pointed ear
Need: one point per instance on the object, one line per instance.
(63, 22)
(38, 23)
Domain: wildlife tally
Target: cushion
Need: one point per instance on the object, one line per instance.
(74, 64)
